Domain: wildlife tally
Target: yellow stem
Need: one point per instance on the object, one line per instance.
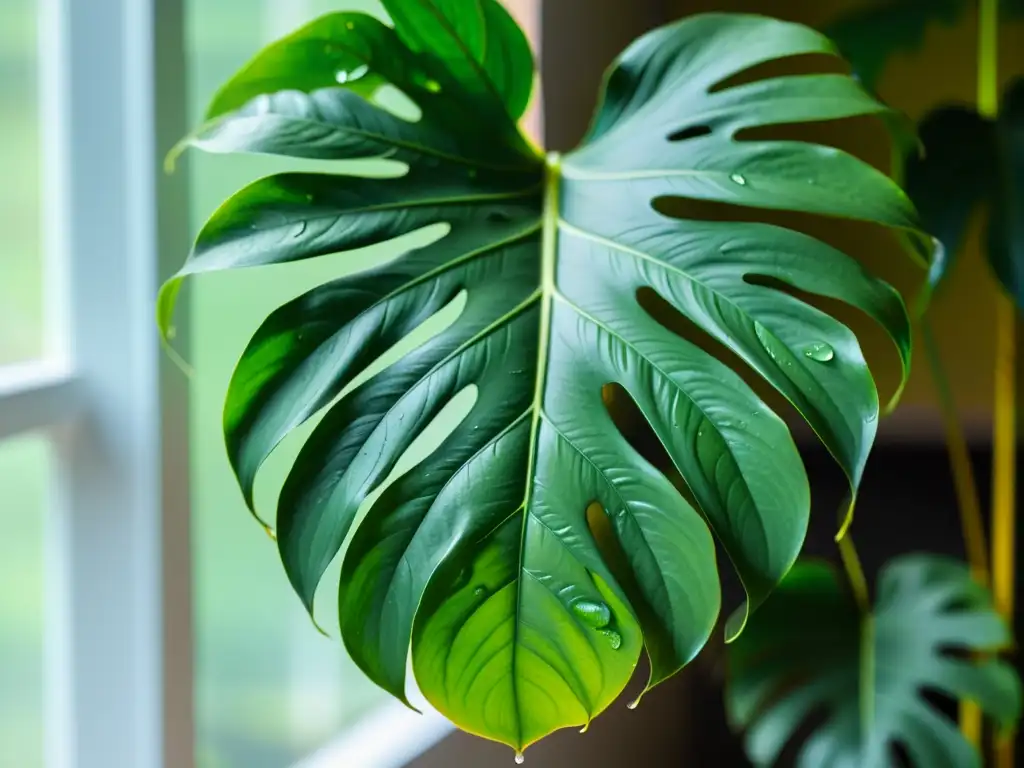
(1004, 461)
(971, 521)
(1004, 417)
(855, 573)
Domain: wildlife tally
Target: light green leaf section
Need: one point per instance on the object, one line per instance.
(481, 557)
(929, 618)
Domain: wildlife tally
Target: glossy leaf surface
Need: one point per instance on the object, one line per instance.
(807, 651)
(482, 556)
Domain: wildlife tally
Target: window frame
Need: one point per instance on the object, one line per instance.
(118, 658)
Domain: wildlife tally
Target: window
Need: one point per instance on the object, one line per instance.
(144, 620)
(24, 474)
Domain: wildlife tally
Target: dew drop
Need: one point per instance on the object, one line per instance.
(350, 25)
(351, 76)
(480, 591)
(739, 179)
(520, 758)
(428, 83)
(596, 615)
(614, 638)
(633, 704)
(820, 352)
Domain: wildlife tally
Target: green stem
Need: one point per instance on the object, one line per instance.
(855, 574)
(859, 588)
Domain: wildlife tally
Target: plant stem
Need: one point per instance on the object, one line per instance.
(855, 574)
(859, 588)
(971, 521)
(1004, 420)
(968, 503)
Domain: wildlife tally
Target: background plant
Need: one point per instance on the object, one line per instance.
(970, 157)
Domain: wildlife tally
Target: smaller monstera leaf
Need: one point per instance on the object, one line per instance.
(970, 161)
(869, 36)
(481, 559)
(809, 654)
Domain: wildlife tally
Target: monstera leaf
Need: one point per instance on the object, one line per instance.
(482, 557)
(969, 161)
(869, 683)
(870, 35)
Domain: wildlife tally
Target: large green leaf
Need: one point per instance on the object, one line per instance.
(808, 656)
(482, 556)
(969, 161)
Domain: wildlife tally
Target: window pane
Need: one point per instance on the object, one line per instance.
(24, 467)
(270, 688)
(21, 291)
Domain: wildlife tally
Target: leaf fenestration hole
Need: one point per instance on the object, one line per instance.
(434, 325)
(397, 102)
(670, 318)
(690, 132)
(864, 136)
(875, 247)
(801, 64)
(878, 349)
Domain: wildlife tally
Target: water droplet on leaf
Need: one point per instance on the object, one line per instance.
(739, 179)
(428, 83)
(520, 758)
(596, 615)
(480, 591)
(820, 352)
(614, 638)
(350, 25)
(633, 704)
(351, 76)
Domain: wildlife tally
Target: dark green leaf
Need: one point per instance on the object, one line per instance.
(968, 161)
(481, 555)
(1006, 229)
(868, 37)
(476, 41)
(807, 651)
(956, 170)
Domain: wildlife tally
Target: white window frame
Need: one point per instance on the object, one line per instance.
(118, 615)
(118, 660)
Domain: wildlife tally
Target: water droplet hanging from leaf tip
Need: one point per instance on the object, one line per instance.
(520, 758)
